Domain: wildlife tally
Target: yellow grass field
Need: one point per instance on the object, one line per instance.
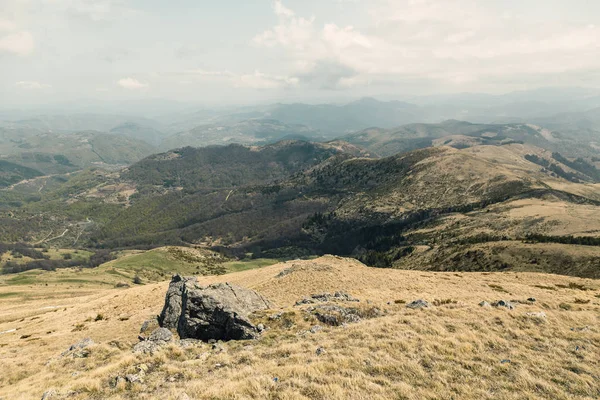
(453, 350)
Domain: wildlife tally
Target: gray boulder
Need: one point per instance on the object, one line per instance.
(169, 317)
(504, 303)
(218, 312)
(420, 303)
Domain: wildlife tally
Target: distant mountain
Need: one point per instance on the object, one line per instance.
(74, 122)
(248, 132)
(460, 134)
(335, 119)
(54, 153)
(139, 132)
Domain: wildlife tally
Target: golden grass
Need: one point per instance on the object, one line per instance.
(453, 350)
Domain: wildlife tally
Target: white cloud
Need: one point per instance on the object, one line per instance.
(19, 43)
(6, 25)
(256, 80)
(453, 42)
(131, 83)
(31, 85)
(281, 10)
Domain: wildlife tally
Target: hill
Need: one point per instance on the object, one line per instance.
(139, 132)
(246, 132)
(460, 134)
(546, 347)
(57, 153)
(290, 199)
(11, 173)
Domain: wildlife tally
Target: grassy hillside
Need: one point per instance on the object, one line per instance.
(11, 173)
(547, 348)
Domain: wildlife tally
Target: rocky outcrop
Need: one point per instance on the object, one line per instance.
(217, 311)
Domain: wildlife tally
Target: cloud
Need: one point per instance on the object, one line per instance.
(92, 10)
(453, 43)
(15, 41)
(31, 85)
(131, 83)
(256, 80)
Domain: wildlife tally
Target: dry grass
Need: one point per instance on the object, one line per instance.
(454, 349)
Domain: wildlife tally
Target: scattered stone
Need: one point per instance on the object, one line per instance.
(48, 394)
(161, 334)
(260, 327)
(275, 317)
(79, 350)
(532, 299)
(540, 314)
(118, 380)
(420, 303)
(326, 297)
(485, 304)
(320, 350)
(334, 315)
(581, 329)
(218, 348)
(316, 328)
(149, 325)
(133, 378)
(504, 361)
(217, 311)
(159, 338)
(503, 303)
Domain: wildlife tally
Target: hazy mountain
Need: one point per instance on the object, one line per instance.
(252, 131)
(63, 152)
(460, 134)
(139, 132)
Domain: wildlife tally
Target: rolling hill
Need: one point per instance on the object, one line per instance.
(460, 134)
(246, 132)
(297, 198)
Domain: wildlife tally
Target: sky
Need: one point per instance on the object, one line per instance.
(250, 51)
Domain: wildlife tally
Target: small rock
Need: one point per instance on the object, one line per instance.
(540, 314)
(504, 361)
(133, 378)
(143, 368)
(503, 303)
(183, 396)
(316, 328)
(320, 350)
(485, 304)
(79, 350)
(218, 347)
(420, 303)
(326, 297)
(532, 299)
(260, 327)
(48, 394)
(275, 316)
(161, 334)
(122, 285)
(149, 325)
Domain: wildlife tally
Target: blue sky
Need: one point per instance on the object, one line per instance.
(232, 52)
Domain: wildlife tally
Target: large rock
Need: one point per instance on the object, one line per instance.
(217, 311)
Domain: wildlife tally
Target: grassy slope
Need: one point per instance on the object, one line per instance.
(449, 351)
